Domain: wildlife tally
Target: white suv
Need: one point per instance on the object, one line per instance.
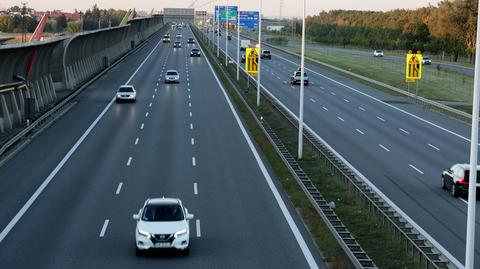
(162, 223)
(377, 53)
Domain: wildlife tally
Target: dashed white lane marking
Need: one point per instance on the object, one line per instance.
(324, 108)
(150, 105)
(189, 89)
(146, 115)
(463, 200)
(129, 161)
(361, 108)
(195, 188)
(199, 234)
(191, 126)
(416, 169)
(119, 188)
(432, 146)
(346, 100)
(360, 132)
(143, 125)
(189, 96)
(403, 131)
(192, 140)
(136, 141)
(383, 147)
(292, 87)
(188, 84)
(157, 83)
(155, 89)
(380, 118)
(311, 99)
(194, 161)
(191, 114)
(340, 118)
(279, 78)
(323, 88)
(153, 96)
(189, 104)
(284, 82)
(104, 228)
(332, 93)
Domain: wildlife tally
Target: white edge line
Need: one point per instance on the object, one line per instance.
(49, 178)
(293, 226)
(104, 228)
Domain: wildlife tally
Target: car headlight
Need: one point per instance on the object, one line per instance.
(180, 233)
(144, 233)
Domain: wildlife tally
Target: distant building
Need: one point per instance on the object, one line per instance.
(275, 28)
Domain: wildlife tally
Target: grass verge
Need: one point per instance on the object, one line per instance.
(371, 231)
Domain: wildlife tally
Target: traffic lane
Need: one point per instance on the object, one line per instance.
(75, 205)
(22, 174)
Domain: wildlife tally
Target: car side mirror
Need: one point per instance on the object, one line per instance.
(189, 216)
(136, 217)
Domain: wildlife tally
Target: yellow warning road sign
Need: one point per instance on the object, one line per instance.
(251, 61)
(413, 66)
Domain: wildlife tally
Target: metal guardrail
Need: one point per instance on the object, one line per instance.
(346, 240)
(416, 239)
(418, 99)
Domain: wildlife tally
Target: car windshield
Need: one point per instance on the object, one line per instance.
(299, 74)
(172, 73)
(266, 51)
(162, 212)
(194, 50)
(426, 58)
(125, 89)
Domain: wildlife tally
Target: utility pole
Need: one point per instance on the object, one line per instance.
(24, 29)
(237, 24)
(259, 51)
(226, 34)
(281, 7)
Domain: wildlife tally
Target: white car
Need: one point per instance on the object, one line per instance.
(378, 53)
(172, 76)
(126, 93)
(178, 36)
(162, 223)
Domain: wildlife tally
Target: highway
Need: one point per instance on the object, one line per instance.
(399, 146)
(68, 197)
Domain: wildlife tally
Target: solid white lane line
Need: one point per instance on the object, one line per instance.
(346, 100)
(195, 188)
(432, 146)
(129, 161)
(324, 108)
(146, 115)
(332, 93)
(192, 140)
(136, 141)
(104, 228)
(199, 234)
(119, 188)
(416, 169)
(361, 108)
(403, 131)
(194, 161)
(141, 127)
(359, 131)
(311, 99)
(150, 105)
(383, 147)
(380, 119)
(281, 204)
(191, 126)
(340, 118)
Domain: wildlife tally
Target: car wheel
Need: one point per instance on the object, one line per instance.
(454, 191)
(138, 252)
(186, 252)
(444, 186)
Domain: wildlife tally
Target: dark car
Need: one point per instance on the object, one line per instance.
(190, 40)
(195, 53)
(166, 38)
(229, 37)
(266, 54)
(456, 179)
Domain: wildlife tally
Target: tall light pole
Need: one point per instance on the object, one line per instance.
(472, 188)
(237, 24)
(226, 35)
(302, 87)
(259, 52)
(218, 32)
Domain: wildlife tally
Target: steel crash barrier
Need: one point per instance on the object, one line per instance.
(36, 76)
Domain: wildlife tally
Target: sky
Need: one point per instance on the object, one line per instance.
(271, 8)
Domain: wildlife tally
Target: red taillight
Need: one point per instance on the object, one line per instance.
(462, 181)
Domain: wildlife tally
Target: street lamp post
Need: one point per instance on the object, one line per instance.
(226, 35)
(238, 39)
(259, 52)
(472, 188)
(302, 88)
(218, 32)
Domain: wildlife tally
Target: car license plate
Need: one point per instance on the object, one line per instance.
(162, 245)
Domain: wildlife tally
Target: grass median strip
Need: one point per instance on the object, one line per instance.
(371, 231)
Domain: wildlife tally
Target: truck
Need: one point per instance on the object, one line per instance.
(244, 44)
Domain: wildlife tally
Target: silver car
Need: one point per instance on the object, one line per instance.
(172, 76)
(126, 93)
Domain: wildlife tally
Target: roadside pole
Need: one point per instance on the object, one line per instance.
(238, 39)
(218, 32)
(302, 87)
(226, 35)
(472, 188)
(259, 52)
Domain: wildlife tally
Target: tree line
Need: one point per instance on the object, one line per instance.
(449, 27)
